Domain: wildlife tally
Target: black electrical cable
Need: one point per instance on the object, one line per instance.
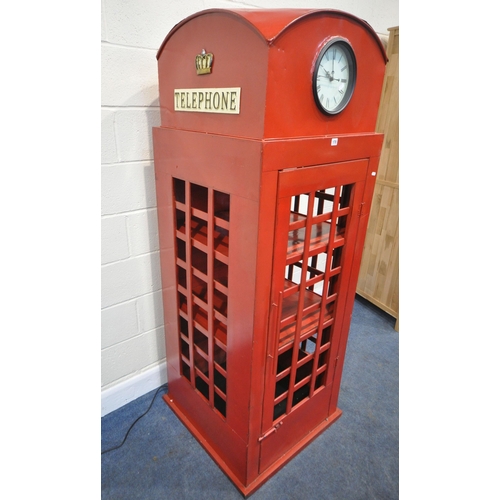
(164, 386)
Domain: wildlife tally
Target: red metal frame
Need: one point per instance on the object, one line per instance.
(228, 192)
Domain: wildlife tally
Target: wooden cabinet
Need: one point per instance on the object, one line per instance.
(379, 274)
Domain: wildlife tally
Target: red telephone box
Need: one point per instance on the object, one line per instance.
(265, 166)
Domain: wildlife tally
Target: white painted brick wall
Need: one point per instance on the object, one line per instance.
(132, 355)
(119, 323)
(132, 313)
(142, 24)
(127, 187)
(130, 278)
(114, 239)
(131, 76)
(150, 311)
(109, 153)
(134, 133)
(142, 228)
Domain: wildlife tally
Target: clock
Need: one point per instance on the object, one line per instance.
(334, 76)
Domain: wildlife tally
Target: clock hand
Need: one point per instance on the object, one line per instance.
(327, 72)
(332, 78)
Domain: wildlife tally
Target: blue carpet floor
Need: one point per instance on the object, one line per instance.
(357, 458)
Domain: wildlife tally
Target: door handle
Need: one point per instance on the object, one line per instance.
(275, 315)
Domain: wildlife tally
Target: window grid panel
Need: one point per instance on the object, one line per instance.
(318, 221)
(300, 304)
(189, 296)
(210, 302)
(323, 312)
(202, 249)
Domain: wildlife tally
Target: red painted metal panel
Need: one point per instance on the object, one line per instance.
(229, 311)
(295, 426)
(320, 177)
(228, 164)
(270, 23)
(265, 248)
(242, 257)
(230, 448)
(351, 292)
(232, 166)
(291, 65)
(279, 154)
(240, 60)
(273, 49)
(291, 183)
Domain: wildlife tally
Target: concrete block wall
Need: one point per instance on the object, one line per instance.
(132, 332)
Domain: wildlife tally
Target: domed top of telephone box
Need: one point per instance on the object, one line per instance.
(271, 73)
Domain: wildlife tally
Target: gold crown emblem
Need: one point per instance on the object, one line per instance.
(203, 63)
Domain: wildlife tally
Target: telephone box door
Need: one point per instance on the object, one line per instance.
(317, 222)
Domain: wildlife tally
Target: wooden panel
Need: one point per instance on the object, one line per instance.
(379, 274)
(388, 116)
(378, 280)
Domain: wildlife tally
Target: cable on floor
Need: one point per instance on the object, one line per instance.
(164, 386)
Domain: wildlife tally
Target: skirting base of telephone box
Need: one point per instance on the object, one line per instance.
(247, 490)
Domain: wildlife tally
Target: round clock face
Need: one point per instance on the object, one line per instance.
(334, 77)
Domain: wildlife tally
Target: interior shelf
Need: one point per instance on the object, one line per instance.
(311, 313)
(320, 234)
(290, 304)
(199, 232)
(310, 319)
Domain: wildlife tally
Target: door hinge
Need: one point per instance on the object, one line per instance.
(335, 365)
(361, 212)
(272, 430)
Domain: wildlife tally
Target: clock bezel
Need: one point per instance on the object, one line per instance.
(352, 71)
